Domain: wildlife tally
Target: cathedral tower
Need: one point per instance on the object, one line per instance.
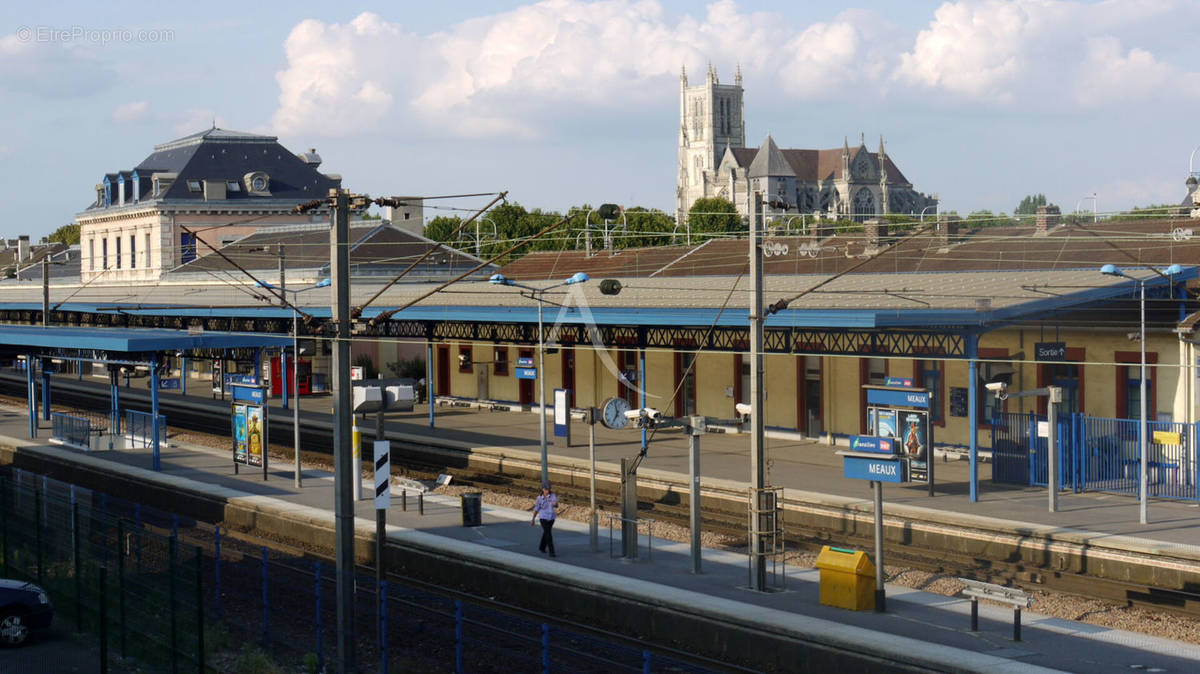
(710, 119)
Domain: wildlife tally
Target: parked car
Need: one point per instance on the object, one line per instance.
(24, 609)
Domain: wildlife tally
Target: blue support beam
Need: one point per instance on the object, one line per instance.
(642, 390)
(973, 410)
(45, 390)
(283, 376)
(114, 401)
(429, 379)
(183, 375)
(31, 395)
(154, 410)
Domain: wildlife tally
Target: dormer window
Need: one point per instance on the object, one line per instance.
(233, 186)
(195, 186)
(257, 183)
(260, 183)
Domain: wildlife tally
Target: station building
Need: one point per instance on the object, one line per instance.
(1028, 304)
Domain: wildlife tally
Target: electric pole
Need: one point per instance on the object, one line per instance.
(339, 256)
(758, 561)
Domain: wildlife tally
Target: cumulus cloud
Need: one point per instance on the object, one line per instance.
(515, 72)
(1039, 52)
(131, 112)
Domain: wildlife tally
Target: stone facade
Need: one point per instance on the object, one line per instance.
(838, 183)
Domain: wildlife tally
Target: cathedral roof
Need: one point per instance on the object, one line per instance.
(813, 165)
(769, 162)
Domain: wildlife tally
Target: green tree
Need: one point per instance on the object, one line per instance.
(1029, 204)
(67, 235)
(439, 228)
(713, 216)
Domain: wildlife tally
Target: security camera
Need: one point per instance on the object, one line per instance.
(633, 415)
(996, 386)
(743, 409)
(644, 413)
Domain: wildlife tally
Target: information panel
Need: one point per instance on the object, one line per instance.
(901, 417)
(870, 468)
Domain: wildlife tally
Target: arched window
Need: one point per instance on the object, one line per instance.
(698, 161)
(863, 205)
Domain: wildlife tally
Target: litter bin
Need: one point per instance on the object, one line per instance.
(472, 509)
(847, 579)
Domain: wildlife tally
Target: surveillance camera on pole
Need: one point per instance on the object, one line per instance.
(999, 388)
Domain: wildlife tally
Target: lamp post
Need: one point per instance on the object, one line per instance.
(1143, 460)
(921, 217)
(1095, 208)
(538, 295)
(323, 283)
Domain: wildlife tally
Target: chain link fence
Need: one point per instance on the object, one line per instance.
(160, 592)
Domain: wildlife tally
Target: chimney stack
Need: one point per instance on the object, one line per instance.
(947, 227)
(1047, 219)
(23, 248)
(875, 232)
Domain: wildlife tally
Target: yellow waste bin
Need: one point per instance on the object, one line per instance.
(847, 579)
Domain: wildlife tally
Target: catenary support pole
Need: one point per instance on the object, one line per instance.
(157, 460)
(542, 395)
(1143, 440)
(880, 595)
(694, 431)
(298, 478)
(31, 394)
(758, 563)
(283, 367)
(1052, 399)
(339, 253)
(972, 417)
(593, 525)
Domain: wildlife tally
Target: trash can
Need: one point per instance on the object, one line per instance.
(847, 579)
(472, 509)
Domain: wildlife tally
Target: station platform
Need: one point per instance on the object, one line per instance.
(930, 631)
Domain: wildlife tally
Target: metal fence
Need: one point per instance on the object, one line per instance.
(139, 429)
(181, 595)
(1097, 454)
(138, 589)
(70, 430)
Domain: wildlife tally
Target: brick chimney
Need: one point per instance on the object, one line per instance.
(875, 232)
(947, 226)
(23, 253)
(1047, 219)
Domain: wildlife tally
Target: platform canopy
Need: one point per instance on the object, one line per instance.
(24, 338)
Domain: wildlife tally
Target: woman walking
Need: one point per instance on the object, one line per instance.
(544, 509)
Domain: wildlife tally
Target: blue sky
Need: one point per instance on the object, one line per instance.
(566, 102)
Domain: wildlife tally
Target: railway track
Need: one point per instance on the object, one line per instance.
(723, 514)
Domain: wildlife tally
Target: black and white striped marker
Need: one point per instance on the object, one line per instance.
(383, 473)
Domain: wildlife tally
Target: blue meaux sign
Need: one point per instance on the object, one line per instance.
(880, 470)
(893, 398)
(248, 394)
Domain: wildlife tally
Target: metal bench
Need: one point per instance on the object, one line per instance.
(1012, 596)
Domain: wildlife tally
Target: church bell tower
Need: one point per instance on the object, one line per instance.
(710, 119)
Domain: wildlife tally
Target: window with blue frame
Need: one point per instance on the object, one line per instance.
(118, 240)
(187, 247)
(930, 376)
(104, 253)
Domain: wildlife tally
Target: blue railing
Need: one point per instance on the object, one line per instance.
(71, 431)
(1098, 454)
(139, 429)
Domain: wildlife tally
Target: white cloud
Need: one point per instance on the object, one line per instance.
(514, 73)
(131, 112)
(52, 70)
(1033, 51)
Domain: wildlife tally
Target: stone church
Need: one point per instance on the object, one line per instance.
(852, 183)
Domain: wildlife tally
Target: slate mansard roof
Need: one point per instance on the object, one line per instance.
(226, 156)
(813, 165)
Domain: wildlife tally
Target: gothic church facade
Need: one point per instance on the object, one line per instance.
(845, 182)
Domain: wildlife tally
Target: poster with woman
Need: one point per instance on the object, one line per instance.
(239, 434)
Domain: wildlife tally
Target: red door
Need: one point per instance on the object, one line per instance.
(568, 374)
(525, 386)
(443, 370)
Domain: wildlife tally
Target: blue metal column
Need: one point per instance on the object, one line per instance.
(973, 411)
(429, 379)
(31, 395)
(45, 390)
(79, 369)
(154, 409)
(283, 376)
(258, 378)
(642, 388)
(183, 375)
(114, 401)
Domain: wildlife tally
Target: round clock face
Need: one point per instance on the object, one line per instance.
(259, 183)
(613, 413)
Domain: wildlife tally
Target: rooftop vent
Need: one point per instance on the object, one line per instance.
(311, 157)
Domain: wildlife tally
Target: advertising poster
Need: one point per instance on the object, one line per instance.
(915, 444)
(254, 435)
(886, 420)
(239, 434)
